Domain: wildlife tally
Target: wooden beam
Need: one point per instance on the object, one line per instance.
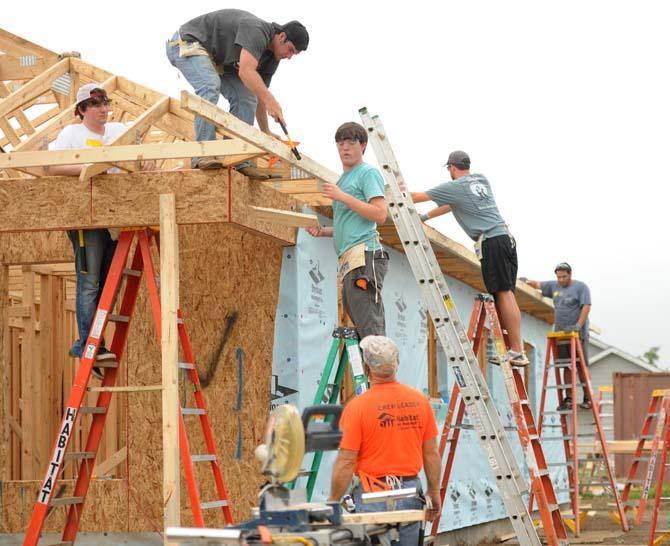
(250, 134)
(33, 88)
(132, 134)
(17, 46)
(30, 386)
(396, 516)
(20, 116)
(12, 69)
(103, 156)
(433, 383)
(50, 129)
(109, 464)
(285, 217)
(36, 122)
(169, 271)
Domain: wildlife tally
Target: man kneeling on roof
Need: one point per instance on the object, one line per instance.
(94, 247)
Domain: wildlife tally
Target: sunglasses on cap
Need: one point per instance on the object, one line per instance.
(563, 266)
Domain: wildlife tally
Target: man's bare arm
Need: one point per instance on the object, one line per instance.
(343, 471)
(252, 80)
(431, 466)
(420, 196)
(584, 314)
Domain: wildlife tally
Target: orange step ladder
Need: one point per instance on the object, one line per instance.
(141, 266)
(570, 429)
(540, 482)
(659, 536)
(653, 429)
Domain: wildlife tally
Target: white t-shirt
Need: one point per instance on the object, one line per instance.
(77, 136)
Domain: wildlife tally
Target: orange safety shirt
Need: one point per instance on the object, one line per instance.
(387, 425)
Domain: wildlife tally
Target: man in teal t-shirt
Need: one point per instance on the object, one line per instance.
(358, 206)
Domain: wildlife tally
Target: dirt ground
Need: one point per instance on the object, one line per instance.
(599, 528)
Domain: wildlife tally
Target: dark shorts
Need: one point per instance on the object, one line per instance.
(564, 350)
(364, 306)
(499, 264)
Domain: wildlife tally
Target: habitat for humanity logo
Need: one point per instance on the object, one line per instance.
(400, 304)
(386, 420)
(315, 273)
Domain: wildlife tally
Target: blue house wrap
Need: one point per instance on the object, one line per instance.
(306, 316)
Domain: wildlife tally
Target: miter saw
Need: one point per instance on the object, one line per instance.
(283, 515)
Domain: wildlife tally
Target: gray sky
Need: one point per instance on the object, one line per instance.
(562, 105)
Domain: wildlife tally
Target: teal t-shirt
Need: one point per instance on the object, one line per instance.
(364, 182)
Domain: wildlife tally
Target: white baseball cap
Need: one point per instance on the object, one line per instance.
(84, 92)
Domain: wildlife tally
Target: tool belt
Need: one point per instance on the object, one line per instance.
(371, 484)
(482, 237)
(193, 49)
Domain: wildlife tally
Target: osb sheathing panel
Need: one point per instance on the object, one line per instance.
(106, 506)
(5, 459)
(35, 247)
(229, 290)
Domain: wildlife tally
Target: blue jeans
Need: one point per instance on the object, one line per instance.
(99, 249)
(199, 71)
(409, 534)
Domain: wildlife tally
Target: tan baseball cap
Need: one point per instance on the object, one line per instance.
(379, 351)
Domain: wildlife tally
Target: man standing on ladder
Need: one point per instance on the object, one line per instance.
(470, 198)
(234, 53)
(572, 305)
(93, 248)
(358, 206)
(389, 433)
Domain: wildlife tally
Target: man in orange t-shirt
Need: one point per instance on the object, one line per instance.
(388, 435)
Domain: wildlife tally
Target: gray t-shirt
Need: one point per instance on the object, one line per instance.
(472, 203)
(225, 32)
(568, 303)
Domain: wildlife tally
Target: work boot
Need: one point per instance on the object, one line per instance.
(586, 404)
(515, 358)
(254, 172)
(208, 163)
(566, 405)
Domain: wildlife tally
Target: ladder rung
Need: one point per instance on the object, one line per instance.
(563, 490)
(203, 458)
(606, 415)
(635, 482)
(132, 272)
(662, 531)
(563, 386)
(646, 437)
(119, 318)
(92, 409)
(128, 388)
(180, 320)
(642, 458)
(553, 507)
(559, 465)
(192, 411)
(304, 473)
(213, 504)
(65, 501)
(591, 484)
(78, 455)
(665, 498)
(555, 438)
(106, 364)
(631, 503)
(557, 412)
(187, 366)
(606, 402)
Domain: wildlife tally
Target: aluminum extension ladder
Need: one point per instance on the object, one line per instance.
(48, 499)
(538, 469)
(453, 337)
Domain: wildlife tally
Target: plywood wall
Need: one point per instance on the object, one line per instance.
(229, 290)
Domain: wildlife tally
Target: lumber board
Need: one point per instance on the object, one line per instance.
(285, 217)
(169, 296)
(296, 185)
(109, 464)
(131, 134)
(396, 516)
(246, 132)
(33, 88)
(17, 46)
(105, 155)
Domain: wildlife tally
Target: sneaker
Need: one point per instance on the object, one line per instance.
(105, 354)
(586, 404)
(97, 373)
(207, 163)
(515, 359)
(254, 172)
(565, 405)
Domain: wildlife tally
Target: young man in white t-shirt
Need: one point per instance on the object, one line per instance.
(93, 131)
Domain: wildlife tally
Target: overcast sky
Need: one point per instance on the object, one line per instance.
(563, 106)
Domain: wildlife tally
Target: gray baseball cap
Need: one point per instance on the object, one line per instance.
(459, 159)
(379, 351)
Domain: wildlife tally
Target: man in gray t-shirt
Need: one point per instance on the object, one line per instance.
(234, 53)
(470, 198)
(572, 305)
